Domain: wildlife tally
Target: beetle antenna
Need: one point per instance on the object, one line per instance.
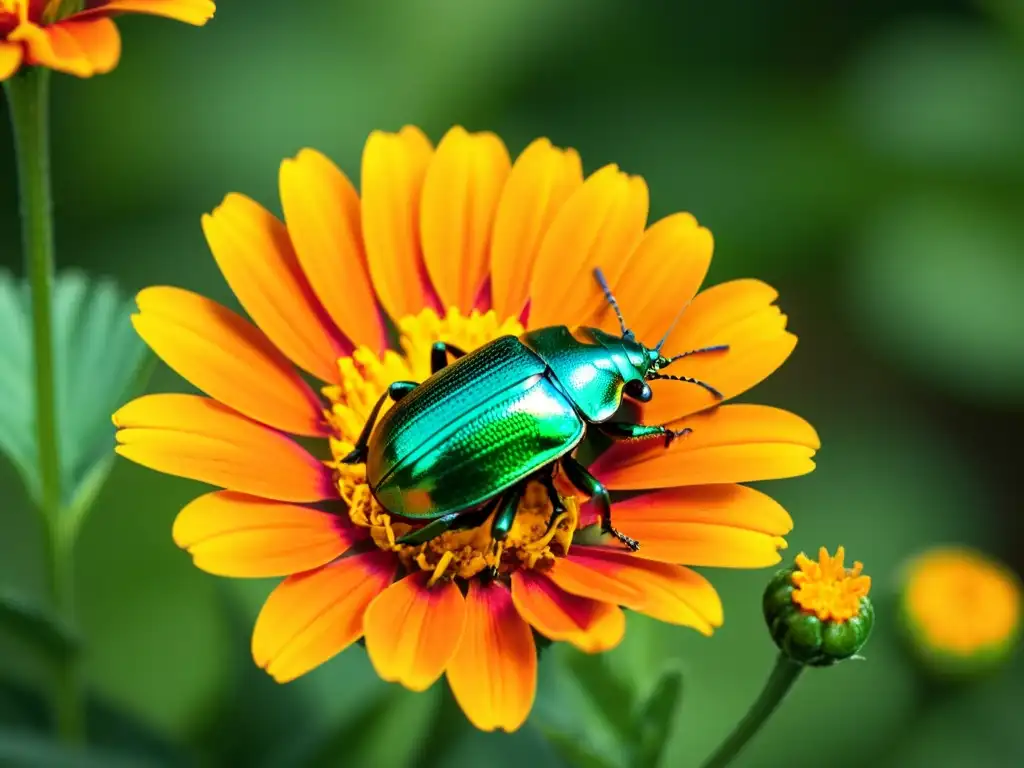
(611, 300)
(702, 350)
(690, 380)
(671, 327)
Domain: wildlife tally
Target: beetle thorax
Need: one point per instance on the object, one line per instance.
(532, 542)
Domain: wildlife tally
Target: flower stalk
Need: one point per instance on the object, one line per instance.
(784, 675)
(28, 100)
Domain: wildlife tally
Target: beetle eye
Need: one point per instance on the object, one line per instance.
(638, 389)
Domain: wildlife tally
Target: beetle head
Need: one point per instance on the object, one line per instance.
(643, 363)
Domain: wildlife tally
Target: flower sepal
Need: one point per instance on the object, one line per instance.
(818, 613)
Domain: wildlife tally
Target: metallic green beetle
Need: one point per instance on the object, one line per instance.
(468, 439)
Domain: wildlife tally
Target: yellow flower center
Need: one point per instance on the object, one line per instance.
(826, 588)
(17, 8)
(963, 602)
(535, 538)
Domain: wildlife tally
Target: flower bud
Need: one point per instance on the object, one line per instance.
(818, 611)
(960, 611)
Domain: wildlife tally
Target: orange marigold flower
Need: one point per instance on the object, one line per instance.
(84, 42)
(457, 244)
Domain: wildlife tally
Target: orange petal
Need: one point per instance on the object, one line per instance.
(313, 616)
(734, 443)
(233, 534)
(715, 311)
(394, 165)
(739, 314)
(582, 575)
(321, 208)
(599, 226)
(52, 47)
(10, 59)
(228, 358)
(590, 625)
(493, 674)
(669, 593)
(97, 39)
(198, 438)
(412, 630)
(541, 180)
(460, 195)
(663, 274)
(254, 252)
(196, 12)
(724, 526)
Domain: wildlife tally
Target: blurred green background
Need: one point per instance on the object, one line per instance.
(867, 158)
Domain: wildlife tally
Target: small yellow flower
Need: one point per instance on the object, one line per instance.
(827, 589)
(83, 43)
(457, 243)
(818, 611)
(962, 610)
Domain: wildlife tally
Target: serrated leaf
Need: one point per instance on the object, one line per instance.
(98, 360)
(35, 625)
(655, 719)
(574, 751)
(613, 696)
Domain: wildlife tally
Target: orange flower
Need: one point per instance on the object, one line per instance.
(85, 43)
(499, 246)
(961, 609)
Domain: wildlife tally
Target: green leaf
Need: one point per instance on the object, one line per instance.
(116, 737)
(34, 624)
(27, 750)
(655, 720)
(613, 696)
(574, 751)
(98, 361)
(17, 398)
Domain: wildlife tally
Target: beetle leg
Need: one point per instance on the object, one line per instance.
(507, 506)
(396, 392)
(590, 485)
(621, 430)
(439, 355)
(547, 478)
(431, 530)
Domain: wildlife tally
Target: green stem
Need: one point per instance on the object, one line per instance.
(782, 678)
(28, 98)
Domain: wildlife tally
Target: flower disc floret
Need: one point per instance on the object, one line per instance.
(536, 536)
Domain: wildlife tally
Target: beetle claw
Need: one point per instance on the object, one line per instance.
(632, 544)
(357, 456)
(672, 434)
